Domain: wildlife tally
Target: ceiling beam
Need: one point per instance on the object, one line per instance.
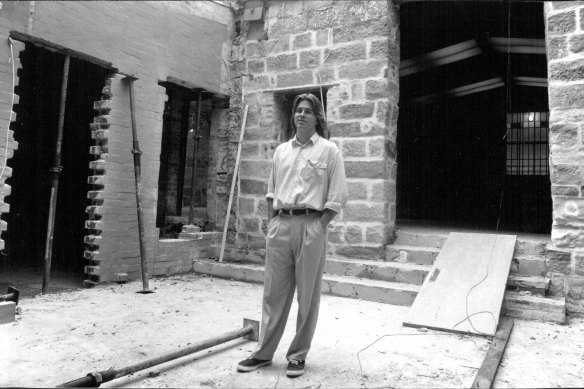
(539, 82)
(440, 57)
(464, 90)
(518, 45)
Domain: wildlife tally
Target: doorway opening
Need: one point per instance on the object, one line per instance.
(469, 73)
(184, 159)
(35, 130)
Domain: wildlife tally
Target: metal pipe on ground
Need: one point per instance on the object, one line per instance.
(249, 331)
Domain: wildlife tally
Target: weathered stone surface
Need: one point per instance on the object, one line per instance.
(370, 212)
(361, 252)
(563, 135)
(362, 69)
(579, 263)
(259, 169)
(355, 148)
(325, 75)
(577, 43)
(365, 169)
(279, 45)
(567, 237)
(357, 190)
(377, 234)
(309, 59)
(302, 41)
(361, 30)
(566, 174)
(575, 294)
(565, 190)
(254, 49)
(245, 205)
(569, 212)
(353, 234)
(356, 111)
(249, 224)
(282, 62)
(390, 150)
(557, 287)
(376, 89)
(322, 37)
(384, 49)
(335, 234)
(357, 90)
(256, 82)
(557, 47)
(376, 148)
(566, 70)
(348, 53)
(302, 77)
(566, 4)
(562, 23)
(253, 187)
(256, 66)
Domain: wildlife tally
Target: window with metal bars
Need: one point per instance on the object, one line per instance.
(527, 143)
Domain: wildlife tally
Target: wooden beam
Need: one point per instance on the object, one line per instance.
(439, 57)
(488, 370)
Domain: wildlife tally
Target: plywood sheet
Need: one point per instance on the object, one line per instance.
(464, 290)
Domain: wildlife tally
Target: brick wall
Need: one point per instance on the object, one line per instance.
(153, 41)
(352, 48)
(565, 49)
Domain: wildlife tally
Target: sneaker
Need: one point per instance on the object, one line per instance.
(295, 368)
(251, 364)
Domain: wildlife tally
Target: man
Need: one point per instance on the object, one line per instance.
(306, 189)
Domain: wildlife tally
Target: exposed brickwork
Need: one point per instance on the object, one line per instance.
(566, 74)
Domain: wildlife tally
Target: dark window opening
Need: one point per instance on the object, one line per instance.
(35, 130)
(284, 101)
(182, 195)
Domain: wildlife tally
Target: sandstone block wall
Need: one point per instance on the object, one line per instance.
(153, 41)
(351, 48)
(565, 49)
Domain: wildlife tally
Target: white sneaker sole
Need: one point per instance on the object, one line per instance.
(295, 373)
(246, 369)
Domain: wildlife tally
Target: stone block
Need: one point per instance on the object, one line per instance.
(576, 43)
(353, 234)
(356, 111)
(258, 169)
(302, 77)
(345, 129)
(566, 71)
(254, 49)
(357, 90)
(357, 190)
(322, 37)
(256, 82)
(574, 291)
(579, 263)
(302, 41)
(346, 53)
(282, 62)
(253, 187)
(326, 75)
(566, 4)
(245, 205)
(561, 23)
(565, 190)
(568, 212)
(361, 252)
(380, 192)
(365, 169)
(384, 49)
(362, 69)
(354, 148)
(309, 59)
(256, 66)
(370, 212)
(7, 311)
(361, 30)
(566, 174)
(249, 225)
(377, 234)
(567, 96)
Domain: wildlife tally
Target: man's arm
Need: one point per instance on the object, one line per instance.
(327, 216)
(271, 212)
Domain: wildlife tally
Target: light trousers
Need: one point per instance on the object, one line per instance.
(295, 256)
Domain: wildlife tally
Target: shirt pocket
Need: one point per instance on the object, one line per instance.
(314, 172)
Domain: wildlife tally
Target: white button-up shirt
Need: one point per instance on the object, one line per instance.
(311, 175)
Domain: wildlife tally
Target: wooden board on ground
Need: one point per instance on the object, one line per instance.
(464, 290)
(488, 371)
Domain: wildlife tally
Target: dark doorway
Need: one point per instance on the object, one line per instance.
(466, 67)
(184, 160)
(35, 130)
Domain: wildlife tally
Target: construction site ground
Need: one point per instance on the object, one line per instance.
(62, 336)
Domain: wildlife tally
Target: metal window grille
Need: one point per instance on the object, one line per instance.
(527, 143)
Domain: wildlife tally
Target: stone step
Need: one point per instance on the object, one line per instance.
(415, 254)
(345, 286)
(523, 305)
(408, 273)
(529, 265)
(537, 285)
(411, 238)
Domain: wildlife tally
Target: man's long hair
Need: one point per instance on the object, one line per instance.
(317, 108)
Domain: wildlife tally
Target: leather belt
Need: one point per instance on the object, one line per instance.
(297, 212)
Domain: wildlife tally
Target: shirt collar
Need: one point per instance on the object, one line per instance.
(312, 140)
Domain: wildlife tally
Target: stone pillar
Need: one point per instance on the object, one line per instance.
(351, 50)
(565, 50)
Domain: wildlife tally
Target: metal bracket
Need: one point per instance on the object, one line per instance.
(255, 335)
